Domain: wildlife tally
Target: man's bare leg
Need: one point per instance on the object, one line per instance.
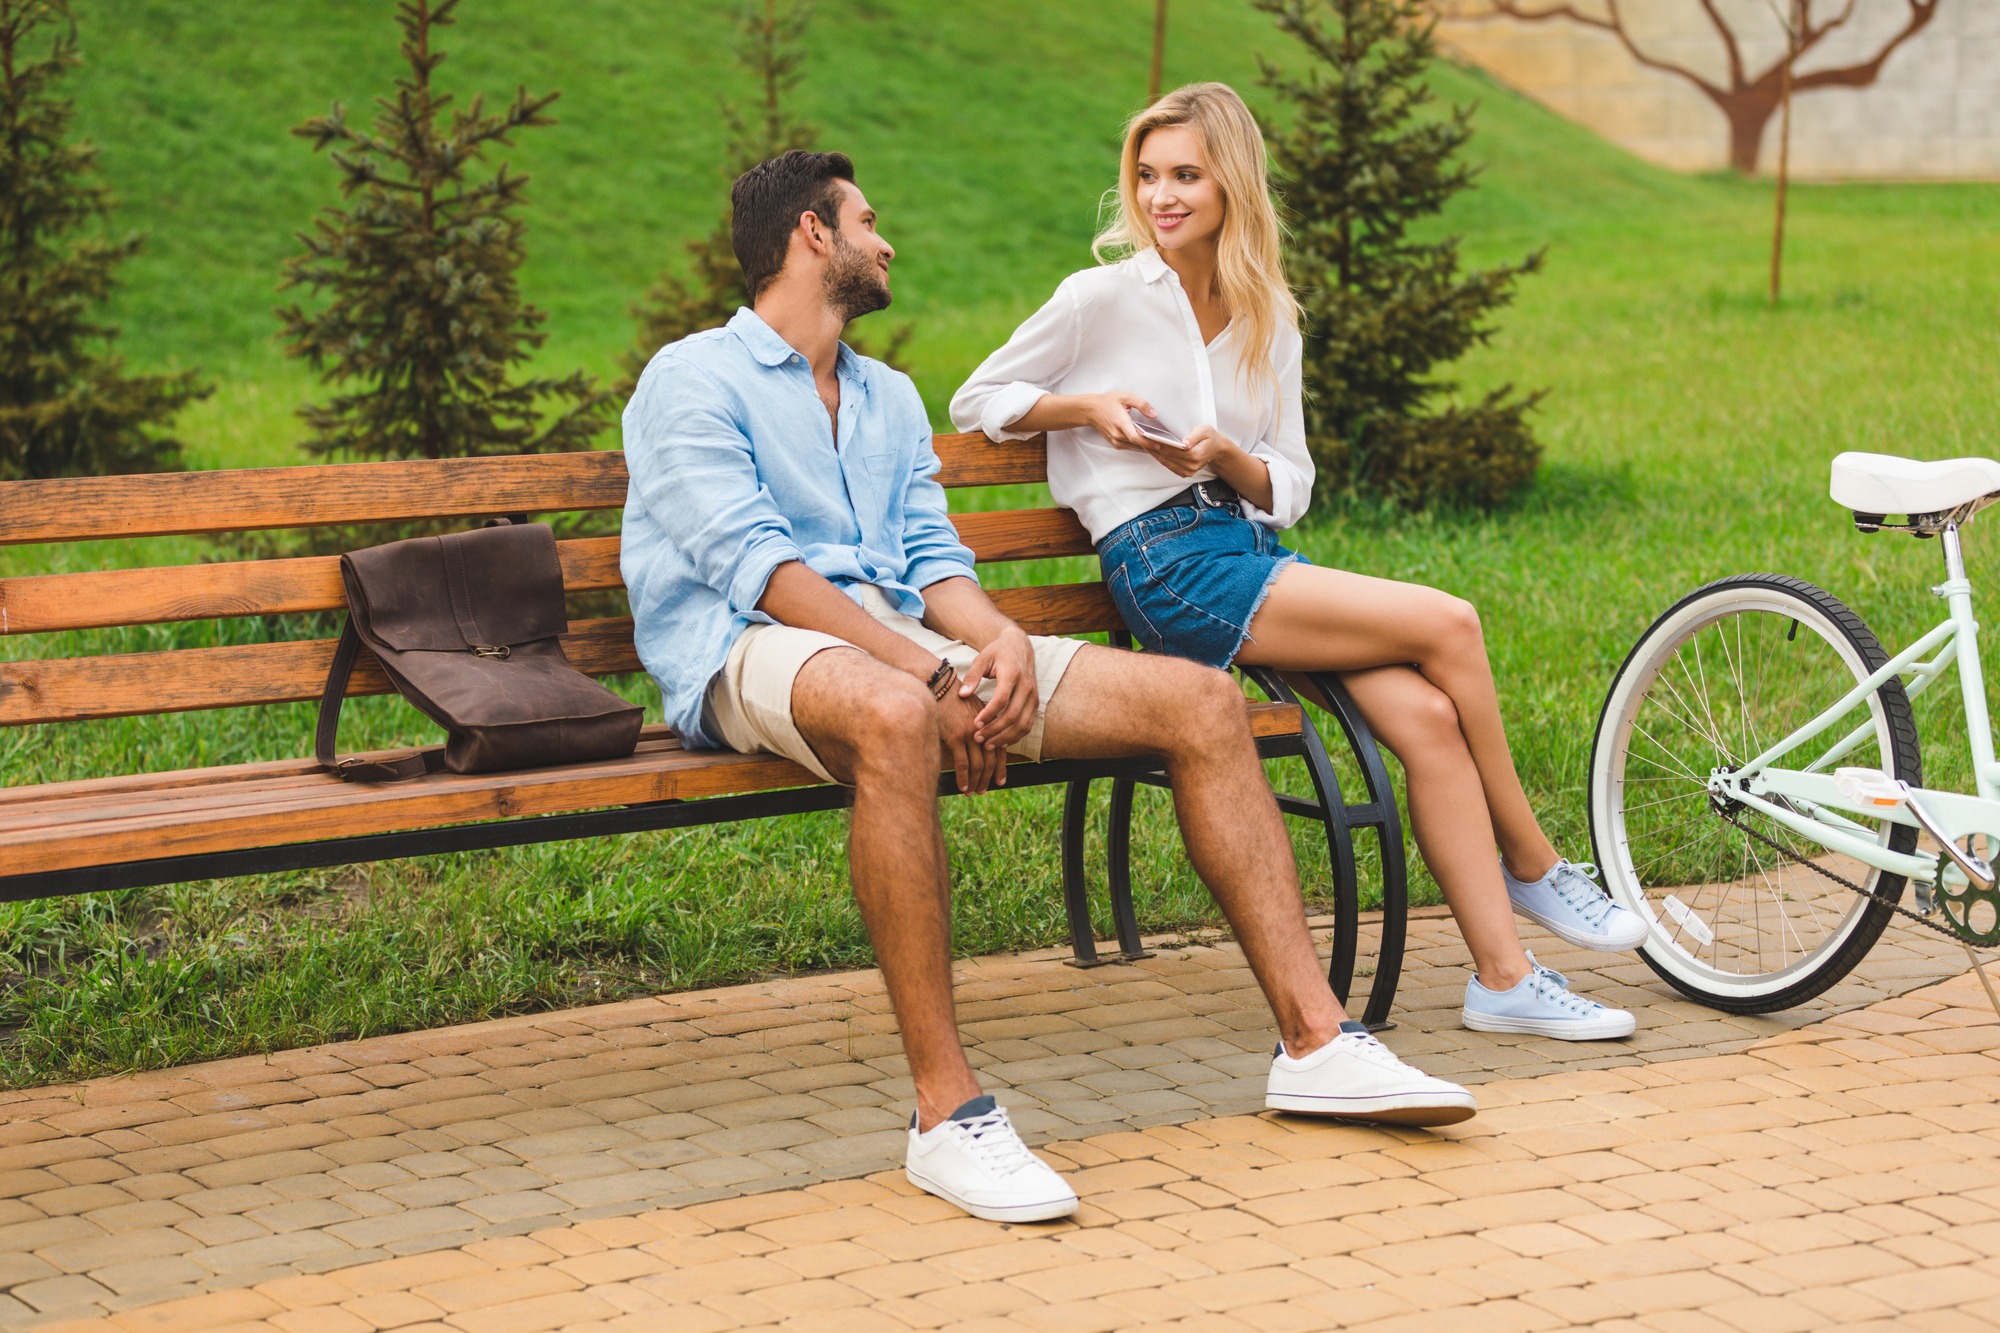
(876, 728)
(1117, 703)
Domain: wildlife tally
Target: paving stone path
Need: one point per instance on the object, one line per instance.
(725, 1159)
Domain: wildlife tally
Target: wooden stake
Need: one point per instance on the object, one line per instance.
(1981, 973)
(1159, 50)
(1792, 29)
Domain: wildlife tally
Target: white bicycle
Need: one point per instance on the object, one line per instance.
(1756, 787)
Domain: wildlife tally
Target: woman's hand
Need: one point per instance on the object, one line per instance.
(1110, 415)
(1204, 447)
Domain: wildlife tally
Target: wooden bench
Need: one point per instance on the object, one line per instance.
(241, 819)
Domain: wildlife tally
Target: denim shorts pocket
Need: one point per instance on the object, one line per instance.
(1119, 582)
(1163, 526)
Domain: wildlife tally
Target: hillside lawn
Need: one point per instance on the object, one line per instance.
(1687, 426)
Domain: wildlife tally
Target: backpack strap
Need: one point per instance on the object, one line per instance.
(352, 769)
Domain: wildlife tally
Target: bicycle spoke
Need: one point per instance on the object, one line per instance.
(1717, 682)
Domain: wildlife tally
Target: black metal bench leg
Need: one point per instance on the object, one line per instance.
(1076, 890)
(1118, 864)
(1389, 825)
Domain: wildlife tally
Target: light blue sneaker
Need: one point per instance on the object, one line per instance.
(1568, 902)
(1541, 1005)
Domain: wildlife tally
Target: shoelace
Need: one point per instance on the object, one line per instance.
(1572, 881)
(991, 1139)
(1370, 1049)
(1552, 985)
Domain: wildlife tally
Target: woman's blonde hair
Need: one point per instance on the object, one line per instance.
(1250, 267)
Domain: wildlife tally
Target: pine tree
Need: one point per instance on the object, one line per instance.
(1359, 166)
(423, 307)
(769, 47)
(67, 407)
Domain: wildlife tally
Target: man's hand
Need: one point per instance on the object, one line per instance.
(975, 764)
(1010, 714)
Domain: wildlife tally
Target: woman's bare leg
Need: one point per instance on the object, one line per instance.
(1419, 724)
(1318, 619)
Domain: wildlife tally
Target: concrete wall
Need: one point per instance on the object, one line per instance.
(1934, 110)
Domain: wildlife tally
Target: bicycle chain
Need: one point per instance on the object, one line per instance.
(1791, 855)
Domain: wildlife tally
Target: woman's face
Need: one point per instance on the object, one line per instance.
(1177, 190)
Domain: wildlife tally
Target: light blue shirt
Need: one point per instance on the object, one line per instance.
(734, 472)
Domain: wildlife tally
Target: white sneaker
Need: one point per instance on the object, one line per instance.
(1541, 1004)
(1358, 1077)
(975, 1160)
(1568, 902)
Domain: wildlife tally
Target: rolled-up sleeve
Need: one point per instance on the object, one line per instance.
(1013, 379)
(693, 469)
(1283, 448)
(930, 542)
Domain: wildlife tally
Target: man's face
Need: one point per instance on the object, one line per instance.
(856, 280)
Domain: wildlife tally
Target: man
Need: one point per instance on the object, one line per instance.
(797, 588)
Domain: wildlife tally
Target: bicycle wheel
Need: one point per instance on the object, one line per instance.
(1731, 669)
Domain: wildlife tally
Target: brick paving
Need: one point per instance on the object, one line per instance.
(726, 1159)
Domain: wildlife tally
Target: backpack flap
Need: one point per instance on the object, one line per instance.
(466, 627)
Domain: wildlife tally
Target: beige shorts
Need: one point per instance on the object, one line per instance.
(749, 704)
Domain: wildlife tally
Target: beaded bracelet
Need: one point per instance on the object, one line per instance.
(942, 680)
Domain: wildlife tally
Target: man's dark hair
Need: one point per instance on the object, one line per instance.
(768, 199)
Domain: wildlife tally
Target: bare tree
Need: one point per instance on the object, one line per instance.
(1748, 101)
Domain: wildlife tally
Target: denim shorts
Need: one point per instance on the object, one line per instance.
(1188, 580)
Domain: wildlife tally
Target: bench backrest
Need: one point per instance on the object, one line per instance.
(180, 680)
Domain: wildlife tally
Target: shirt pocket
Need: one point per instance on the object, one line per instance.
(882, 465)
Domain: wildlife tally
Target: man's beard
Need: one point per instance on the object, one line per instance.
(854, 286)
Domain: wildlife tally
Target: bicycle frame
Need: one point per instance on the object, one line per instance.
(1806, 800)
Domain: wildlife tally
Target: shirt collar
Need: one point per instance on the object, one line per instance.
(771, 350)
(759, 337)
(1151, 267)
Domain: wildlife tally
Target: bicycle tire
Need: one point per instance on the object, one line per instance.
(1735, 616)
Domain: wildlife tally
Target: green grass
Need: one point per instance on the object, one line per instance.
(1688, 429)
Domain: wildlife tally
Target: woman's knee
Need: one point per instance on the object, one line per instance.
(1413, 717)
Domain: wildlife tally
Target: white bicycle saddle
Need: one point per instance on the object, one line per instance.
(1886, 484)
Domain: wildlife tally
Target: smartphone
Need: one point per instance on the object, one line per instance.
(1154, 429)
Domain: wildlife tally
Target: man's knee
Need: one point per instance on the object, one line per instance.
(895, 719)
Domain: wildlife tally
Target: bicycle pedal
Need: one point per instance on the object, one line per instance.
(1870, 786)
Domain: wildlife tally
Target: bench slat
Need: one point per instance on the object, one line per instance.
(128, 787)
(232, 815)
(40, 603)
(1023, 534)
(90, 508)
(137, 684)
(974, 460)
(1060, 608)
(184, 680)
(71, 509)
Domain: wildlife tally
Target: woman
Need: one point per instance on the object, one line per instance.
(1196, 327)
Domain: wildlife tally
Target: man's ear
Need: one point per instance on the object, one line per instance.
(814, 232)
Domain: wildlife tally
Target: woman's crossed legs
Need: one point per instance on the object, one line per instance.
(1414, 658)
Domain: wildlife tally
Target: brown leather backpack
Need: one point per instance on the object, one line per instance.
(465, 626)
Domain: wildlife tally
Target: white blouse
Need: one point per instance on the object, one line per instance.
(1129, 326)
